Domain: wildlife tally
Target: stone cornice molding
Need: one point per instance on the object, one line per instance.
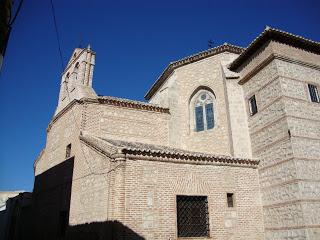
(272, 34)
(190, 59)
(62, 112)
(271, 57)
(121, 102)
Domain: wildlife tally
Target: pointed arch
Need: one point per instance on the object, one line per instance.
(202, 109)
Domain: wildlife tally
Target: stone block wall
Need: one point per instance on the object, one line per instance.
(285, 137)
(176, 94)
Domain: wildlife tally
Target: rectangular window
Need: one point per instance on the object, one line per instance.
(230, 200)
(209, 116)
(192, 216)
(313, 92)
(253, 105)
(199, 118)
(68, 151)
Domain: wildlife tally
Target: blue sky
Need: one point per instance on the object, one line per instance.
(134, 41)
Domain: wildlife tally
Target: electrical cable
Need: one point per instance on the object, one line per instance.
(57, 34)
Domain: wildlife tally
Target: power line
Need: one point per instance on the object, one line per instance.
(66, 86)
(91, 171)
(57, 34)
(16, 14)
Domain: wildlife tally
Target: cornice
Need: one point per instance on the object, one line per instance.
(62, 112)
(190, 59)
(272, 34)
(190, 158)
(271, 57)
(113, 148)
(121, 102)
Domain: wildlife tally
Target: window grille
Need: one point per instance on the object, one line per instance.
(192, 216)
(313, 92)
(253, 105)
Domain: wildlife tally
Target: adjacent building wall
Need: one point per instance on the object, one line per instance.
(285, 137)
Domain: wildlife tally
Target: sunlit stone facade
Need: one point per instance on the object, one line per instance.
(131, 160)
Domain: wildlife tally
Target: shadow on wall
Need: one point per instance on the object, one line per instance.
(46, 216)
(112, 230)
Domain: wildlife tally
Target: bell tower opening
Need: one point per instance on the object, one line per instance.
(76, 79)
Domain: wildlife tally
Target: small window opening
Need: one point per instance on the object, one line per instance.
(253, 105)
(313, 92)
(68, 151)
(192, 216)
(230, 200)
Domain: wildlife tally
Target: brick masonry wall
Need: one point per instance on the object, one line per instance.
(152, 187)
(126, 124)
(90, 187)
(63, 131)
(285, 137)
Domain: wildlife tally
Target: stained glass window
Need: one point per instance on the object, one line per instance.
(204, 112)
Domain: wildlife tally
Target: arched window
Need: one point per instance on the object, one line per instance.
(76, 68)
(203, 110)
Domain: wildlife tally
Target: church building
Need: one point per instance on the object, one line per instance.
(226, 146)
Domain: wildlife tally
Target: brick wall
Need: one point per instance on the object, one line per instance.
(127, 124)
(152, 187)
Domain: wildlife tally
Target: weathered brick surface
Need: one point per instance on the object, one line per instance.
(283, 196)
(152, 187)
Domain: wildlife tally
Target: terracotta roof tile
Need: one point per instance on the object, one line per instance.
(276, 35)
(190, 59)
(137, 148)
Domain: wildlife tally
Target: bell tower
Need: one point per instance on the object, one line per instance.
(76, 79)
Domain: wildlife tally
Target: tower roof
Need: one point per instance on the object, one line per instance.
(277, 35)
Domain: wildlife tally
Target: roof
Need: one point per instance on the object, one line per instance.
(162, 153)
(276, 35)
(121, 102)
(131, 104)
(190, 59)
